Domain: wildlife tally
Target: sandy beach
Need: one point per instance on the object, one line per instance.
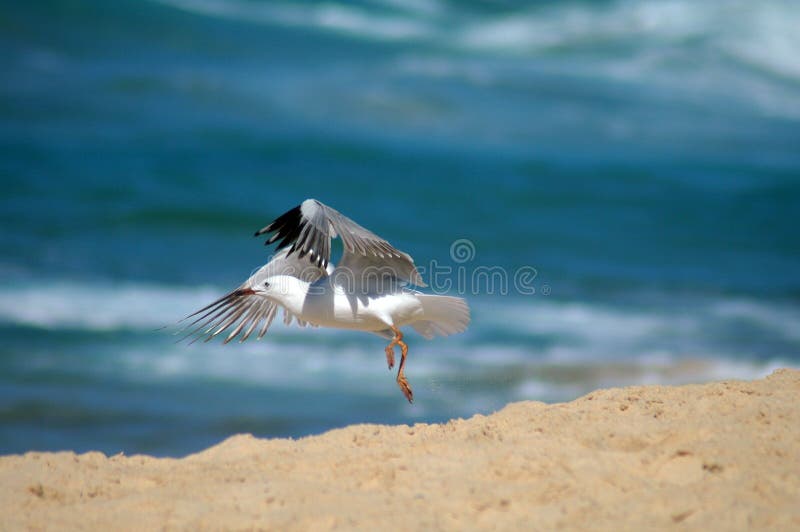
(722, 456)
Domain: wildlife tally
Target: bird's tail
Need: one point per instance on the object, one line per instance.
(442, 315)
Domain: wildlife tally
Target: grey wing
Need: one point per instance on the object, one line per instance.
(370, 275)
(246, 309)
(308, 230)
(309, 227)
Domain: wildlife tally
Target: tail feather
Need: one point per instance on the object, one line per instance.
(442, 315)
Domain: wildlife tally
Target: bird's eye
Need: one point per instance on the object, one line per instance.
(266, 284)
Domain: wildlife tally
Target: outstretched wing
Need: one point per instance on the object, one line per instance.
(247, 309)
(309, 227)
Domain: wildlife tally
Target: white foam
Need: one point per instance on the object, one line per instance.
(515, 349)
(593, 328)
(100, 306)
(596, 323)
(767, 37)
(539, 390)
(337, 17)
(638, 372)
(782, 319)
(107, 306)
(761, 33)
(443, 374)
(680, 48)
(568, 24)
(271, 364)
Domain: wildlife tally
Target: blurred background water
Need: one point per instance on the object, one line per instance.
(642, 156)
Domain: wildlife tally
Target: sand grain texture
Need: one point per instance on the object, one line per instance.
(715, 456)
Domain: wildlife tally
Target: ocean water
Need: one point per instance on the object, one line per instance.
(613, 185)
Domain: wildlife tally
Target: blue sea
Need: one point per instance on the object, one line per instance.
(614, 186)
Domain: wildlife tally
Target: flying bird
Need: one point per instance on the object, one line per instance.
(371, 289)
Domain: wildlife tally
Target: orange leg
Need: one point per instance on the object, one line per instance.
(401, 378)
(390, 352)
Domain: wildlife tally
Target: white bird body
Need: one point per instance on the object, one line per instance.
(327, 304)
(367, 291)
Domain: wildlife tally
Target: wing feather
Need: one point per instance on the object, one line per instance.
(242, 310)
(310, 226)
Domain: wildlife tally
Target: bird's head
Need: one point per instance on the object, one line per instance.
(281, 288)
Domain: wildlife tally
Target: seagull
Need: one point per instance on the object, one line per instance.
(369, 290)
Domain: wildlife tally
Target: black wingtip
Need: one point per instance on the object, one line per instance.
(267, 228)
(283, 225)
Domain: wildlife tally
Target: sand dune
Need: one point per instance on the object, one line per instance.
(716, 456)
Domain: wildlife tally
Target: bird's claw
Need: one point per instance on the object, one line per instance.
(390, 357)
(405, 387)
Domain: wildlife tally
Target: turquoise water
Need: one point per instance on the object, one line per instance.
(640, 160)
